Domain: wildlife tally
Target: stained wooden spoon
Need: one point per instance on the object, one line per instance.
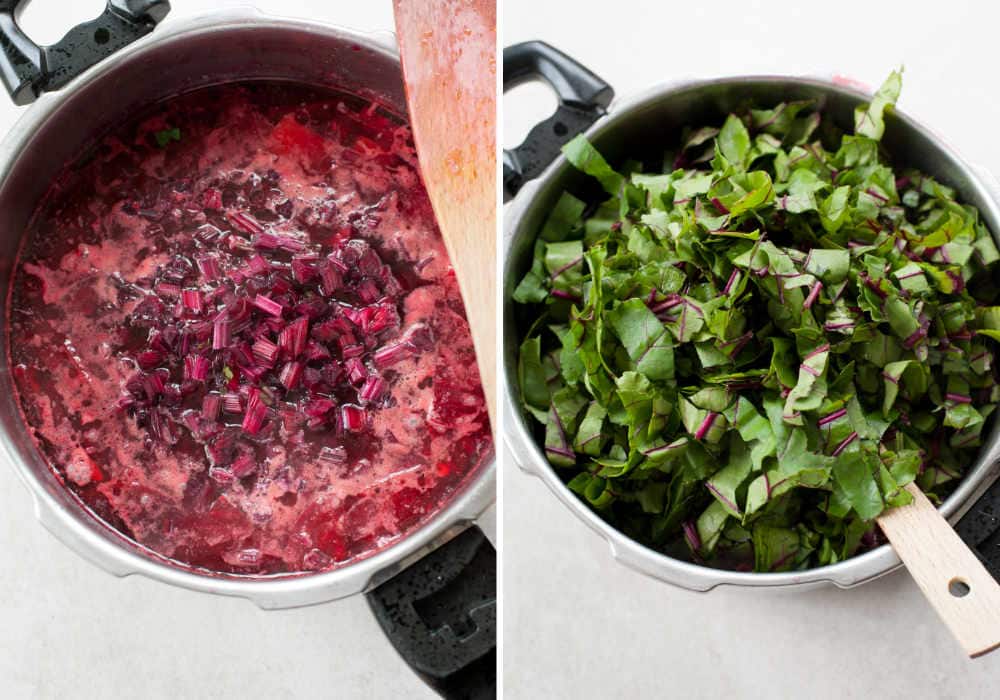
(951, 577)
(449, 64)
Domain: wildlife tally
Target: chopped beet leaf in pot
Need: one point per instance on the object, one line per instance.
(741, 358)
(237, 335)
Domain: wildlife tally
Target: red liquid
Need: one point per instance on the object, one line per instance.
(351, 409)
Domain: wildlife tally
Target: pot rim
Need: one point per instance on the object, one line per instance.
(520, 444)
(273, 592)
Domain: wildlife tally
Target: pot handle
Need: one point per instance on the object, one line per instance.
(980, 529)
(583, 99)
(28, 69)
(441, 616)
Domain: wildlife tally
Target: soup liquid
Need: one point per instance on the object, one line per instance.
(361, 432)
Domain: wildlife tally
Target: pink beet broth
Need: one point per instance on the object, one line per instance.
(237, 337)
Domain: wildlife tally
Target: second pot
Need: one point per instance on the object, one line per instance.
(535, 174)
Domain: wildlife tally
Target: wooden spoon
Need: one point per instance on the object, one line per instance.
(449, 63)
(951, 577)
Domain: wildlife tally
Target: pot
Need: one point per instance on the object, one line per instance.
(94, 78)
(536, 173)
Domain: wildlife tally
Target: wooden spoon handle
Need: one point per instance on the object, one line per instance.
(951, 577)
(449, 63)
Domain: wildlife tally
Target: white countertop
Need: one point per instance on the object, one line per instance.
(579, 625)
(72, 631)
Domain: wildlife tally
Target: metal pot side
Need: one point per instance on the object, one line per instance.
(646, 124)
(180, 56)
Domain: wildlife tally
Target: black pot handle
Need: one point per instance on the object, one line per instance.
(980, 529)
(28, 69)
(441, 616)
(583, 98)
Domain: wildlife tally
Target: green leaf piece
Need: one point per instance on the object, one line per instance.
(869, 120)
(165, 136)
(585, 157)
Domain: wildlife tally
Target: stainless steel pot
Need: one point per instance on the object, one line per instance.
(650, 122)
(182, 55)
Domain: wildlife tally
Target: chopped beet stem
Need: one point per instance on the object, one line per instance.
(208, 265)
(268, 305)
(245, 223)
(291, 373)
(221, 334)
(353, 418)
(388, 355)
(211, 405)
(372, 389)
(265, 351)
(232, 403)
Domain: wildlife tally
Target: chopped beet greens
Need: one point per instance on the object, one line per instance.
(744, 358)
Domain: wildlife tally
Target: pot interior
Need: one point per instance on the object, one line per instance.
(62, 126)
(643, 129)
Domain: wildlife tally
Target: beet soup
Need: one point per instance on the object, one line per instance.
(237, 338)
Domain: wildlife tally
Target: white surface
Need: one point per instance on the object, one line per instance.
(72, 631)
(579, 625)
